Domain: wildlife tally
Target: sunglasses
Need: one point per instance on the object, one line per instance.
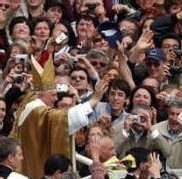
(75, 77)
(102, 64)
(151, 63)
(6, 6)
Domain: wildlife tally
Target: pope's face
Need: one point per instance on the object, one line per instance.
(49, 97)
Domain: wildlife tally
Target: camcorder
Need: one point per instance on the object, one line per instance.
(21, 58)
(60, 38)
(91, 6)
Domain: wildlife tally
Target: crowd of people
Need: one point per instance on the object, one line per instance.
(106, 74)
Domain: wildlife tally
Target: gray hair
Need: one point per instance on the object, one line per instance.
(95, 53)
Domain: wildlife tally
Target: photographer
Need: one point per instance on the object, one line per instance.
(170, 44)
(137, 132)
(19, 74)
(171, 129)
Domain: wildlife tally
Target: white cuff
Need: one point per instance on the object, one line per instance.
(78, 117)
(125, 133)
(154, 134)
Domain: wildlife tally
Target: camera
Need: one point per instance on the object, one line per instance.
(177, 52)
(175, 69)
(62, 88)
(91, 6)
(136, 118)
(18, 78)
(21, 58)
(72, 60)
(170, 98)
(59, 39)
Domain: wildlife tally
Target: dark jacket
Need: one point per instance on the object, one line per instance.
(5, 171)
(129, 176)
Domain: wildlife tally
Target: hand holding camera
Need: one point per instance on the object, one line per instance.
(143, 120)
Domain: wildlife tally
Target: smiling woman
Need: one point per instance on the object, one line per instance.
(42, 28)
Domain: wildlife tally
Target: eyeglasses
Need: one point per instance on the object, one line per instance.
(80, 77)
(150, 63)
(102, 64)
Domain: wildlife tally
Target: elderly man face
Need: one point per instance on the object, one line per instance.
(172, 119)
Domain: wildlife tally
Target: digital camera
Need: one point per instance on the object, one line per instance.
(136, 118)
(72, 60)
(18, 78)
(60, 38)
(62, 88)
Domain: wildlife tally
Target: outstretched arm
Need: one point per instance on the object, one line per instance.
(78, 115)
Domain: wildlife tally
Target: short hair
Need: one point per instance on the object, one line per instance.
(78, 68)
(42, 19)
(88, 17)
(16, 20)
(62, 95)
(7, 147)
(118, 83)
(169, 36)
(56, 162)
(140, 154)
(95, 53)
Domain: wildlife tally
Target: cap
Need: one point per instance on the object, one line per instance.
(155, 53)
(111, 32)
(52, 3)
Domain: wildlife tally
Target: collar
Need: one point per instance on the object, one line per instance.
(136, 135)
(28, 109)
(10, 168)
(172, 133)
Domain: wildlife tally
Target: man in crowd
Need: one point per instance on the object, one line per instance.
(171, 130)
(137, 132)
(10, 156)
(55, 165)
